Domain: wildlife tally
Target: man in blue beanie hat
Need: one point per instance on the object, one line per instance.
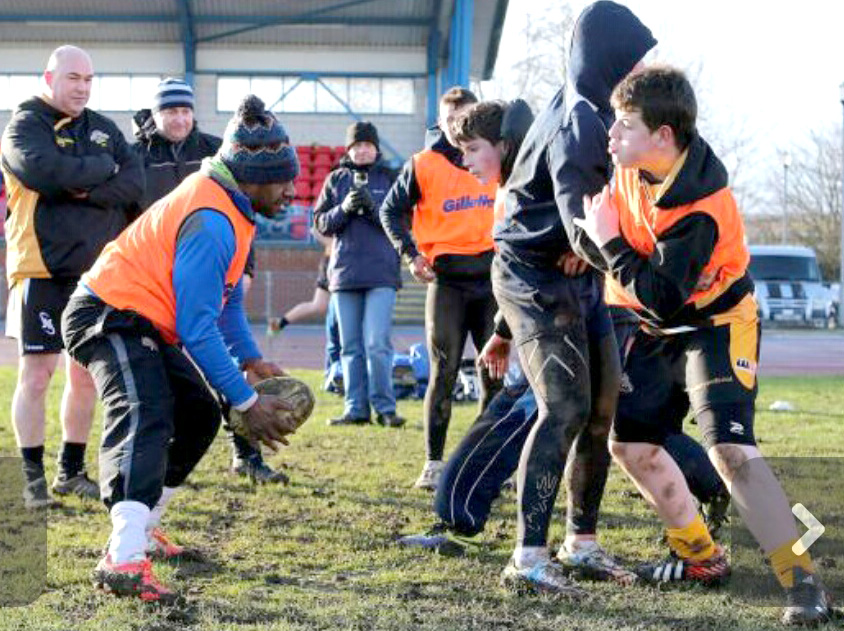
(171, 286)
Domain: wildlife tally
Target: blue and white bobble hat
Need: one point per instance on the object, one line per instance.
(256, 148)
(172, 93)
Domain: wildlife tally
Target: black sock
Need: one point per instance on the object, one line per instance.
(282, 323)
(71, 460)
(33, 462)
(243, 450)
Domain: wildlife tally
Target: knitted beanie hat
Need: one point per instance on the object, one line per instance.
(361, 131)
(172, 93)
(256, 148)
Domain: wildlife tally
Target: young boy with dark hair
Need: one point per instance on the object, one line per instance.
(490, 134)
(673, 241)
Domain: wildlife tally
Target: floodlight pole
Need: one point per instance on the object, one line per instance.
(786, 163)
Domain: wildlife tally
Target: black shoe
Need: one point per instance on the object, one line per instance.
(259, 471)
(80, 485)
(807, 603)
(36, 496)
(348, 420)
(390, 420)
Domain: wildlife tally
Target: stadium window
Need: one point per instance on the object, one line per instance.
(269, 90)
(18, 88)
(365, 95)
(4, 93)
(326, 102)
(143, 91)
(230, 92)
(302, 97)
(114, 93)
(397, 96)
(111, 92)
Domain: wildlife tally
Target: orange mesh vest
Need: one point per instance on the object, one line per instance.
(454, 213)
(135, 271)
(642, 223)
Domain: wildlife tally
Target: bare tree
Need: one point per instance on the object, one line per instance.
(540, 69)
(814, 196)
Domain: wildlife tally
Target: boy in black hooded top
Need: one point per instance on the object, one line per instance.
(563, 157)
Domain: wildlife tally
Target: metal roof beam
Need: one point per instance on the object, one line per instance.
(495, 38)
(434, 46)
(188, 38)
(260, 21)
(252, 21)
(77, 17)
(433, 66)
(286, 20)
(310, 75)
(462, 25)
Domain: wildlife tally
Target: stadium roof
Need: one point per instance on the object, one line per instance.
(460, 36)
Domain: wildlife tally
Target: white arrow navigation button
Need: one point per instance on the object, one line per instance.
(816, 529)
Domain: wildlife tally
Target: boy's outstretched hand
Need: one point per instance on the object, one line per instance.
(495, 356)
(600, 221)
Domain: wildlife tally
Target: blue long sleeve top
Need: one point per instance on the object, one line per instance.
(213, 332)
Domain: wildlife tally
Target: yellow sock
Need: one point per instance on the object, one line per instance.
(692, 542)
(783, 561)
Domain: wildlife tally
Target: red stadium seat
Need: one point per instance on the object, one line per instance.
(303, 188)
(323, 149)
(320, 173)
(316, 187)
(322, 160)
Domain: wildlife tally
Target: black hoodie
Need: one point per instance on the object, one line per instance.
(564, 155)
(167, 163)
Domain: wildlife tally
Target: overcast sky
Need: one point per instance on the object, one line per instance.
(778, 69)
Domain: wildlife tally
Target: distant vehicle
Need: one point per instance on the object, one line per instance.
(789, 287)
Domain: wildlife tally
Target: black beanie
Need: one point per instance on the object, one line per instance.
(362, 131)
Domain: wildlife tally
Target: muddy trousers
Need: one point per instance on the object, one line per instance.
(452, 313)
(160, 417)
(551, 317)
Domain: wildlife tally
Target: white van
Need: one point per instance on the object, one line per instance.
(789, 287)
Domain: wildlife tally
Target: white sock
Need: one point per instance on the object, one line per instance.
(158, 510)
(128, 532)
(528, 556)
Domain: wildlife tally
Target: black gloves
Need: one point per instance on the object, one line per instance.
(358, 202)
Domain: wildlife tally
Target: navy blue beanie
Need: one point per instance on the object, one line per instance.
(256, 148)
(172, 93)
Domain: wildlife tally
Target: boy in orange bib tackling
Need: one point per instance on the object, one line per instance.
(673, 241)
